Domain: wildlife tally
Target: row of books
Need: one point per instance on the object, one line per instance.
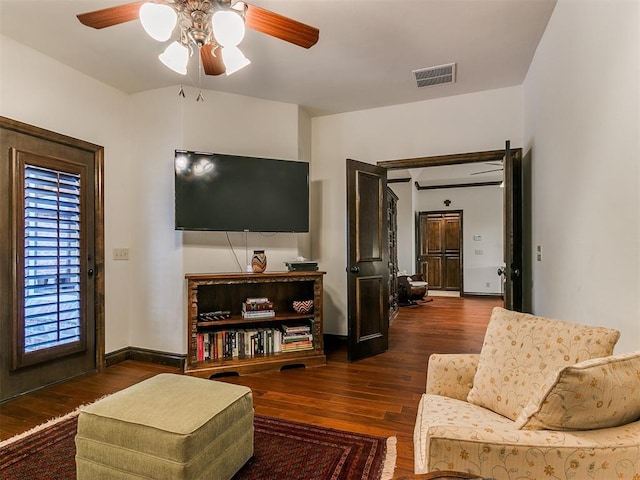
(260, 307)
(243, 343)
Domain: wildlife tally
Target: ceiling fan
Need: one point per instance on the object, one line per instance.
(214, 27)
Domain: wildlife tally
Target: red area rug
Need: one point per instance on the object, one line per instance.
(282, 450)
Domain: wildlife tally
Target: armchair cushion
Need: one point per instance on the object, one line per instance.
(454, 435)
(521, 350)
(451, 374)
(598, 393)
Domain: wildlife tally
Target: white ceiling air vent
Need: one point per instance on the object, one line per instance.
(428, 77)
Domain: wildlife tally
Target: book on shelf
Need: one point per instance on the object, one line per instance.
(256, 307)
(297, 346)
(259, 314)
(305, 327)
(248, 342)
(257, 300)
(296, 338)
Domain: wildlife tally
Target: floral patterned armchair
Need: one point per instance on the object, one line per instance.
(544, 399)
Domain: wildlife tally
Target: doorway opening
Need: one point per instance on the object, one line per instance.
(440, 252)
(514, 257)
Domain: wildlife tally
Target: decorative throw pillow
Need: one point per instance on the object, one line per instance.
(598, 393)
(521, 350)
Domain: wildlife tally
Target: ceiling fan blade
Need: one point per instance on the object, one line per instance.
(280, 27)
(211, 65)
(486, 171)
(108, 17)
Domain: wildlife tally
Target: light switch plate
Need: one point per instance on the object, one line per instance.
(121, 253)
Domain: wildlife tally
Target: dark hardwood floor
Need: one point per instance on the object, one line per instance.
(378, 395)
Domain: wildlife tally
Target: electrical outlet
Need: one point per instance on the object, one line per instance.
(479, 252)
(539, 253)
(121, 254)
(488, 284)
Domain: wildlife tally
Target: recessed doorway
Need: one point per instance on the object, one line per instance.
(439, 245)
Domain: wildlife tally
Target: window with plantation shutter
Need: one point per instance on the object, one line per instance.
(51, 259)
(51, 254)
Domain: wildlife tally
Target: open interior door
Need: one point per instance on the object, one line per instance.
(367, 260)
(513, 228)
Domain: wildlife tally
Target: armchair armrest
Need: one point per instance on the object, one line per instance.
(451, 374)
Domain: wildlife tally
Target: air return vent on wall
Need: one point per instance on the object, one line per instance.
(427, 77)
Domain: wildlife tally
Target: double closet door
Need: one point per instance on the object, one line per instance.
(440, 249)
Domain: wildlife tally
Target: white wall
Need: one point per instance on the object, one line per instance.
(481, 215)
(461, 124)
(581, 122)
(39, 91)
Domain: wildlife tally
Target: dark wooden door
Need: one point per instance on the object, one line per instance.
(51, 323)
(367, 260)
(513, 228)
(440, 249)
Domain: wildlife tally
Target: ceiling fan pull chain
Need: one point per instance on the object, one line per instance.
(200, 97)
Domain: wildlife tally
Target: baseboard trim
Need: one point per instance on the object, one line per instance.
(480, 294)
(145, 355)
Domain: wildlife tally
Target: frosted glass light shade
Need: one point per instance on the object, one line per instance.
(233, 59)
(176, 57)
(158, 20)
(228, 28)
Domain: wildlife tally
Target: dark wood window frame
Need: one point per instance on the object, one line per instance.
(19, 164)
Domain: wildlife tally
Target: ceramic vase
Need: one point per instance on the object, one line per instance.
(258, 261)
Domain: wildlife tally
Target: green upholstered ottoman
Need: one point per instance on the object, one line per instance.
(167, 427)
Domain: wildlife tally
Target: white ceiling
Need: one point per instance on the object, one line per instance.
(364, 58)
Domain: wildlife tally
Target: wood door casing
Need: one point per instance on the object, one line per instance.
(440, 249)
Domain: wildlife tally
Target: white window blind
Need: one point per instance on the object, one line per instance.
(51, 258)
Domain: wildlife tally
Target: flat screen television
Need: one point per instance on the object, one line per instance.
(233, 193)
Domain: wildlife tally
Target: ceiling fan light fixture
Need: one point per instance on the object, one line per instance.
(209, 25)
(158, 20)
(176, 57)
(228, 27)
(233, 59)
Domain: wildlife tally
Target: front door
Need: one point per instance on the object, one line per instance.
(367, 260)
(51, 249)
(440, 249)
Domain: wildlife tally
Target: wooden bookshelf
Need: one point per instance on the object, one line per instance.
(227, 292)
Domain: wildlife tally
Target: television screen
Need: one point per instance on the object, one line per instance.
(235, 193)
